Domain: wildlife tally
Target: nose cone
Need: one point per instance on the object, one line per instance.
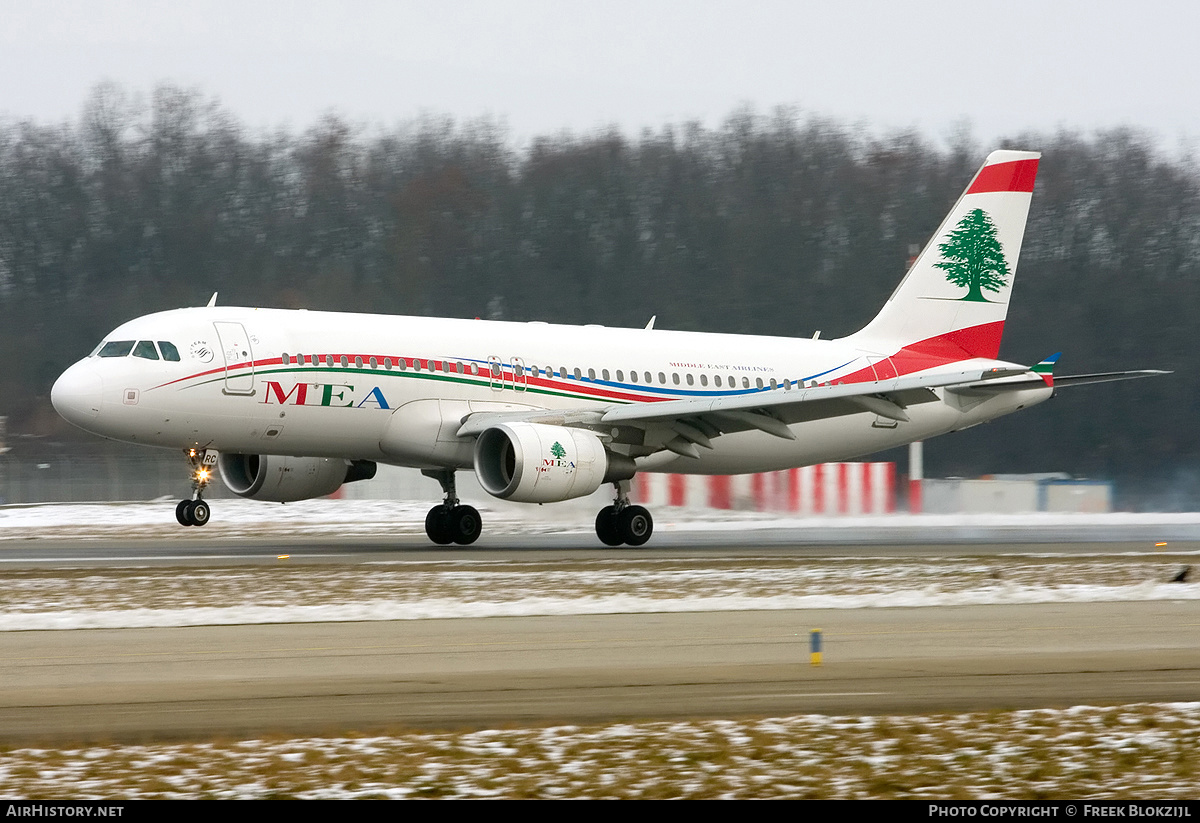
(76, 395)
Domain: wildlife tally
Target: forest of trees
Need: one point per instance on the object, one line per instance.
(774, 224)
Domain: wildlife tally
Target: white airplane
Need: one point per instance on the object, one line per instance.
(289, 405)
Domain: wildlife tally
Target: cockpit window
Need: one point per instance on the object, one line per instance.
(116, 348)
(145, 349)
(169, 352)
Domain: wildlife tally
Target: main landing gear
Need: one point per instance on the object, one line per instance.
(451, 522)
(195, 512)
(622, 522)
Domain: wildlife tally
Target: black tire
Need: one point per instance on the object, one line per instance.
(635, 525)
(181, 513)
(437, 526)
(466, 525)
(607, 528)
(198, 512)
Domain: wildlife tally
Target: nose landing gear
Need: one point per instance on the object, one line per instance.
(195, 512)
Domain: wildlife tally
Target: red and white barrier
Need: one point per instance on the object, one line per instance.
(827, 488)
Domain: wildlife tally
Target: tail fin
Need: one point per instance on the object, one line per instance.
(955, 296)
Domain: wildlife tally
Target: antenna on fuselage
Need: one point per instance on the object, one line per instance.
(212, 301)
(650, 325)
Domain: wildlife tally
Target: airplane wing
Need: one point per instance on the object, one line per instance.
(684, 425)
(689, 423)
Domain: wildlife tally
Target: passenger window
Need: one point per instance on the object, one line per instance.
(169, 352)
(145, 349)
(704, 380)
(117, 348)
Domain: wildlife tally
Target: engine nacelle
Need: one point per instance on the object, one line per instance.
(536, 463)
(286, 479)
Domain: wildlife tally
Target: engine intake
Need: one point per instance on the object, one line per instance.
(537, 463)
(284, 479)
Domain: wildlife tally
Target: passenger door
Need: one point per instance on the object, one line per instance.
(239, 357)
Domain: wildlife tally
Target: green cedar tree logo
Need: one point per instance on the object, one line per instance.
(558, 451)
(972, 257)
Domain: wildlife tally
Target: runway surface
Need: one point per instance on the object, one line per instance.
(175, 551)
(311, 678)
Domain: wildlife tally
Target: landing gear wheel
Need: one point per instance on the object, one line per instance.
(635, 525)
(606, 527)
(465, 524)
(437, 526)
(198, 512)
(192, 512)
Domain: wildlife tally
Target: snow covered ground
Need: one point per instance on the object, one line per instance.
(1148, 751)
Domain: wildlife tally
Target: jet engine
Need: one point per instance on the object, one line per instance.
(538, 463)
(286, 479)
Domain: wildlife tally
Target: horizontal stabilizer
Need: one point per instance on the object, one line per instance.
(1106, 377)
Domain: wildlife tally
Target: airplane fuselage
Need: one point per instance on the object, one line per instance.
(395, 389)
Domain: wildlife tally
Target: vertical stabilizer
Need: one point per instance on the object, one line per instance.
(955, 296)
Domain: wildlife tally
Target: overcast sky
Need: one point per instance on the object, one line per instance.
(542, 66)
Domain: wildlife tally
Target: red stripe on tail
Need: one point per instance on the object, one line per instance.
(1015, 176)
